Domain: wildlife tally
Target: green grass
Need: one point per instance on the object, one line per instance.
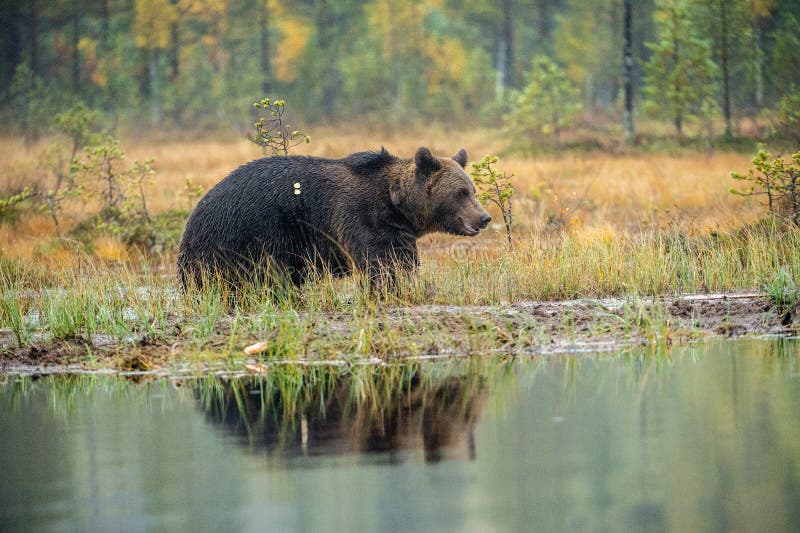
(339, 318)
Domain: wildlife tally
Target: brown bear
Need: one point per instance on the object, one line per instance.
(297, 215)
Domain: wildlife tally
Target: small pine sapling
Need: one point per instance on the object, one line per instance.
(192, 191)
(141, 174)
(101, 163)
(273, 134)
(494, 187)
(77, 126)
(778, 180)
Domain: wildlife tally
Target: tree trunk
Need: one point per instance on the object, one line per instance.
(556, 130)
(500, 68)
(174, 52)
(759, 64)
(543, 24)
(676, 58)
(326, 25)
(52, 210)
(11, 39)
(152, 79)
(505, 52)
(33, 36)
(76, 53)
(266, 63)
(174, 46)
(105, 25)
(726, 89)
(627, 70)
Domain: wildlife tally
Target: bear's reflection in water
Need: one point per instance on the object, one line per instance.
(326, 411)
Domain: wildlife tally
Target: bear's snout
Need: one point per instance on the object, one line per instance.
(472, 221)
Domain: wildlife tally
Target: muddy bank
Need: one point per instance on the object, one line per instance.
(419, 332)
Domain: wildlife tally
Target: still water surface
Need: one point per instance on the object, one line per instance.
(704, 438)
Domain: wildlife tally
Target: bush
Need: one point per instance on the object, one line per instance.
(776, 179)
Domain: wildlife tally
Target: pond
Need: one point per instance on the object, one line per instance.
(697, 438)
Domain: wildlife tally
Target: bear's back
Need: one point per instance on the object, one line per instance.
(294, 209)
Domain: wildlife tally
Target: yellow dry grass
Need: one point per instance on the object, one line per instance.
(595, 195)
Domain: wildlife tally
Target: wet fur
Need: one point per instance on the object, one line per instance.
(363, 211)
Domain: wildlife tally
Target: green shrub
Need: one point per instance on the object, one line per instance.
(778, 181)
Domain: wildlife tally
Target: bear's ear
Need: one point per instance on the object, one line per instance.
(461, 158)
(426, 163)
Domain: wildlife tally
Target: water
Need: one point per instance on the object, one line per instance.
(703, 438)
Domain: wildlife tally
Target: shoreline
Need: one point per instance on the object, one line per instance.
(419, 333)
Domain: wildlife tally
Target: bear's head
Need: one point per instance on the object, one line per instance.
(446, 195)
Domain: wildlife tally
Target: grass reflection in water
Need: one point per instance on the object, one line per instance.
(327, 410)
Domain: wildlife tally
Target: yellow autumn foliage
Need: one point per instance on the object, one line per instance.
(151, 27)
(206, 10)
(292, 45)
(447, 61)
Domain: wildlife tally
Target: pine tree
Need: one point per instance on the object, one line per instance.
(680, 77)
(547, 104)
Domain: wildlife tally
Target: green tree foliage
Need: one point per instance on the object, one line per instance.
(786, 55)
(593, 26)
(680, 77)
(548, 103)
(736, 32)
(29, 103)
(199, 64)
(412, 62)
(788, 115)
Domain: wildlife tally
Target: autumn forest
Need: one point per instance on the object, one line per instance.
(200, 64)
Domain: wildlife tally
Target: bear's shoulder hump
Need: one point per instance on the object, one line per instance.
(369, 162)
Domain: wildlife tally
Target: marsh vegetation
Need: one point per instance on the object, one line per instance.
(643, 229)
(96, 180)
